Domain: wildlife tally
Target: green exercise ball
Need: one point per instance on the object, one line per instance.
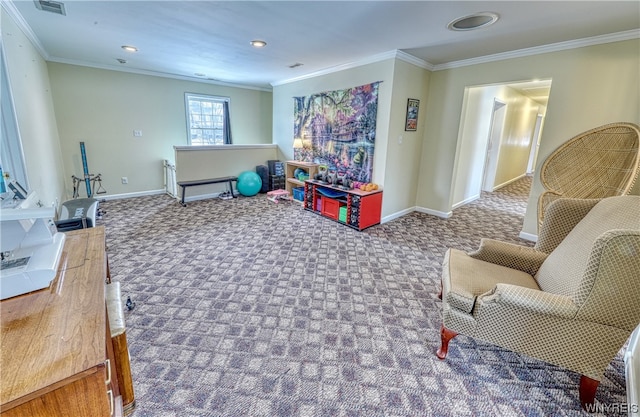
(249, 183)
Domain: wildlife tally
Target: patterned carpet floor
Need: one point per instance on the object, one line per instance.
(249, 308)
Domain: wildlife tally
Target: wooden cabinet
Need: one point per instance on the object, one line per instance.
(56, 357)
(355, 208)
(291, 166)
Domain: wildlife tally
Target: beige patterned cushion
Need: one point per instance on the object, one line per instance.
(531, 301)
(562, 272)
(581, 346)
(560, 218)
(468, 278)
(612, 279)
(522, 258)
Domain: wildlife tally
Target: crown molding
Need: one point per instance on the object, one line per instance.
(537, 50)
(11, 10)
(394, 54)
(354, 64)
(403, 56)
(9, 7)
(156, 74)
(419, 62)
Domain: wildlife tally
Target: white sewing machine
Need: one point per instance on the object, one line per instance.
(30, 244)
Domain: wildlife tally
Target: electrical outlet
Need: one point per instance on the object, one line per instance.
(137, 133)
(125, 180)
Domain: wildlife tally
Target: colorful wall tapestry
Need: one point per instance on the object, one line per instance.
(338, 129)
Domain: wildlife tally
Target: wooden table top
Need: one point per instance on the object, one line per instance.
(355, 191)
(57, 333)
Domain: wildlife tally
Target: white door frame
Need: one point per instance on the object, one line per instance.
(496, 131)
(535, 144)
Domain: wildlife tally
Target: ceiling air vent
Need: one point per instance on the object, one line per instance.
(51, 6)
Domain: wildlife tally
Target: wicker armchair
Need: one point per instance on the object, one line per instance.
(572, 300)
(602, 162)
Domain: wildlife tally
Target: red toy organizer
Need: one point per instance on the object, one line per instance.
(363, 208)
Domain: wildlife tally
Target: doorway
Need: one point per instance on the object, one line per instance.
(499, 136)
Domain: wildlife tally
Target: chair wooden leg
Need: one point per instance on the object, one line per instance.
(588, 389)
(445, 336)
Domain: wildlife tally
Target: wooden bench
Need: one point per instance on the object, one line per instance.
(193, 183)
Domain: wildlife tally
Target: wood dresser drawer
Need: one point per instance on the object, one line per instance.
(57, 358)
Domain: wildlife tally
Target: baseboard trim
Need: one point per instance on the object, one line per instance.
(528, 236)
(504, 184)
(157, 192)
(397, 215)
(128, 195)
(442, 214)
(467, 201)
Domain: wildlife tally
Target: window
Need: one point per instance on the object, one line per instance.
(12, 158)
(207, 120)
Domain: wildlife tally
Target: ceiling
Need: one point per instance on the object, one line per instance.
(537, 90)
(211, 38)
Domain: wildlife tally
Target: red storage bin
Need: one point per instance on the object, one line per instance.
(330, 208)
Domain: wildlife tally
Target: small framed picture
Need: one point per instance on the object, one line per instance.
(412, 114)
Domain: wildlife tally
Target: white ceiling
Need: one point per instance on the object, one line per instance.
(182, 38)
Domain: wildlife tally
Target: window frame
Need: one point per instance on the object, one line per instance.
(210, 98)
(12, 149)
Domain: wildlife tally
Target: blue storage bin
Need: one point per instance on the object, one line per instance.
(298, 193)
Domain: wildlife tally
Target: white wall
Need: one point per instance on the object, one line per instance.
(396, 162)
(283, 108)
(516, 143)
(35, 114)
(201, 162)
(592, 86)
(102, 108)
(477, 109)
(511, 153)
(403, 155)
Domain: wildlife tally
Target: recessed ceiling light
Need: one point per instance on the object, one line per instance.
(474, 21)
(256, 43)
(129, 48)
